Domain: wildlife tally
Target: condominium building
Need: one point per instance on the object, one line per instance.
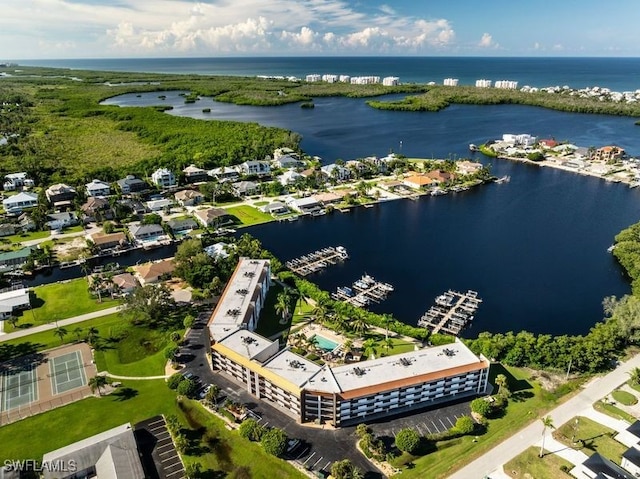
(391, 81)
(506, 84)
(483, 83)
(339, 395)
(450, 82)
(313, 77)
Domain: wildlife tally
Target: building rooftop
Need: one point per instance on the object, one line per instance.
(292, 367)
(248, 344)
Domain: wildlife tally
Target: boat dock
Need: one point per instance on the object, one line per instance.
(451, 313)
(317, 261)
(364, 291)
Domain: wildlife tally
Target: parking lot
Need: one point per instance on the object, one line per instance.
(159, 456)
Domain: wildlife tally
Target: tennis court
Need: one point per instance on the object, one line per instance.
(67, 372)
(18, 388)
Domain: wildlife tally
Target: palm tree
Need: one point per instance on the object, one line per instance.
(77, 331)
(370, 348)
(319, 312)
(97, 383)
(61, 333)
(360, 324)
(13, 321)
(547, 422)
(92, 334)
(634, 376)
(388, 319)
(347, 346)
(503, 386)
(388, 344)
(282, 305)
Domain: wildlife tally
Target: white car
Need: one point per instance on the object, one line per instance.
(204, 392)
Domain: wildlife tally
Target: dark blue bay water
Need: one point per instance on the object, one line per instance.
(534, 248)
(615, 73)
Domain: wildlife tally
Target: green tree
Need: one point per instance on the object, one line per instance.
(503, 386)
(181, 442)
(149, 305)
(108, 227)
(211, 397)
(175, 336)
(274, 442)
(250, 429)
(92, 335)
(370, 347)
(362, 430)
(407, 440)
(193, 470)
(96, 383)
(77, 332)
(481, 407)
(151, 219)
(547, 423)
(174, 380)
(61, 332)
(171, 352)
(634, 376)
(359, 323)
(465, 425)
(283, 301)
(13, 321)
(188, 321)
(188, 388)
(345, 470)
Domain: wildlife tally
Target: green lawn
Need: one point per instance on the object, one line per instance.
(269, 323)
(47, 339)
(528, 403)
(33, 436)
(219, 449)
(613, 411)
(33, 235)
(248, 215)
(547, 467)
(133, 351)
(624, 397)
(590, 437)
(60, 301)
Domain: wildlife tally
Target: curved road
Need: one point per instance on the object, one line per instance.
(598, 388)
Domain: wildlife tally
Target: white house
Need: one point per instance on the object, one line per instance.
(391, 81)
(57, 221)
(287, 161)
(289, 177)
(254, 167)
(519, 140)
(217, 250)
(163, 178)
(158, 205)
(341, 173)
(193, 174)
(14, 205)
(303, 205)
(98, 188)
(13, 181)
(14, 300)
(224, 173)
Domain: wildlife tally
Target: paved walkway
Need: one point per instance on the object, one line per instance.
(63, 322)
(486, 464)
(132, 378)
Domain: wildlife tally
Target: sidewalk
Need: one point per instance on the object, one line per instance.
(64, 322)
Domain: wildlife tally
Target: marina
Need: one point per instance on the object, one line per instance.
(451, 313)
(317, 261)
(363, 292)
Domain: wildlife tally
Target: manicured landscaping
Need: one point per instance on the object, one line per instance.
(528, 403)
(63, 300)
(589, 437)
(248, 215)
(30, 236)
(624, 397)
(218, 449)
(528, 464)
(613, 411)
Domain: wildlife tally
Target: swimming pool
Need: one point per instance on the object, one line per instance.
(324, 343)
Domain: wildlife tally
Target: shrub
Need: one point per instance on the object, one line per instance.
(250, 429)
(480, 406)
(362, 430)
(174, 380)
(407, 440)
(187, 387)
(344, 470)
(274, 441)
(465, 425)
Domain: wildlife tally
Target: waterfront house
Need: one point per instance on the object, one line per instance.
(12, 260)
(130, 184)
(60, 194)
(275, 208)
(16, 299)
(149, 273)
(290, 177)
(16, 204)
(134, 205)
(255, 167)
(125, 282)
(212, 217)
(113, 453)
(16, 181)
(189, 197)
(163, 178)
(419, 181)
(145, 232)
(193, 174)
(336, 172)
(439, 176)
(245, 188)
(224, 173)
(217, 250)
(98, 188)
(182, 226)
(466, 167)
(332, 197)
(105, 241)
(287, 161)
(548, 143)
(97, 208)
(303, 205)
(519, 140)
(58, 221)
(609, 153)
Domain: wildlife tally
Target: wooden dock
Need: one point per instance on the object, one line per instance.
(317, 261)
(451, 313)
(364, 291)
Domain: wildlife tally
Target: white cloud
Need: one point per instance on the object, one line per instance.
(487, 41)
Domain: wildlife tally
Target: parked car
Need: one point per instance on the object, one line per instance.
(204, 391)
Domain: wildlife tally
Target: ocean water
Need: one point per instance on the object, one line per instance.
(620, 74)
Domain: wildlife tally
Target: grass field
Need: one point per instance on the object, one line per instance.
(528, 403)
(248, 215)
(222, 450)
(624, 397)
(589, 437)
(613, 411)
(33, 235)
(60, 301)
(547, 467)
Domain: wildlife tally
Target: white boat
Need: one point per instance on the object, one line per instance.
(473, 147)
(611, 248)
(438, 192)
(504, 179)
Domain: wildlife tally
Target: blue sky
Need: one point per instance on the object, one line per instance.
(38, 29)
